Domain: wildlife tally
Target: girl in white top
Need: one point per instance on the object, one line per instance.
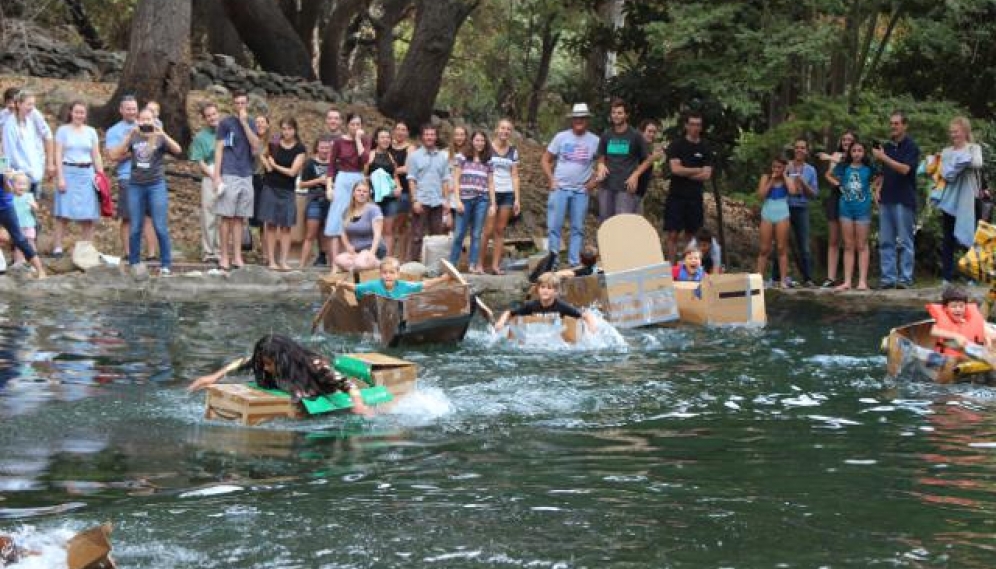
(505, 162)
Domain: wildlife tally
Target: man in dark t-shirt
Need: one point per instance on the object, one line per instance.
(897, 205)
(690, 161)
(622, 159)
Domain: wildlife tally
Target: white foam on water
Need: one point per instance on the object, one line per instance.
(48, 543)
(860, 461)
(868, 401)
(834, 422)
(983, 444)
(422, 406)
(842, 360)
(542, 337)
(732, 405)
(804, 400)
(879, 409)
(455, 555)
(212, 491)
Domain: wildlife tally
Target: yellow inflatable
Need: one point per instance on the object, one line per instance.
(979, 263)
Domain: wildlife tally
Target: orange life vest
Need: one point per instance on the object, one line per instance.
(973, 328)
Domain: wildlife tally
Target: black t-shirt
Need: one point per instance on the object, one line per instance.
(692, 155)
(623, 154)
(313, 169)
(644, 183)
(558, 307)
(284, 157)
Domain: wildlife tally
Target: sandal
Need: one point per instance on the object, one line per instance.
(496, 272)
(828, 283)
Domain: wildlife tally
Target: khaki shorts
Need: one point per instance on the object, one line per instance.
(236, 200)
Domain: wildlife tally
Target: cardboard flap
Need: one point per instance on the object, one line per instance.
(439, 302)
(90, 547)
(628, 241)
(378, 360)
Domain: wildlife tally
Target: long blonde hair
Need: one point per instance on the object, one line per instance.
(965, 126)
(355, 209)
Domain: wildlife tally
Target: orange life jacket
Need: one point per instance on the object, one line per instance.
(973, 328)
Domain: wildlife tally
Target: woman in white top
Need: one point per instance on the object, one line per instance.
(77, 159)
(505, 163)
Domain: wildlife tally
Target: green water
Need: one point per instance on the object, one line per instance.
(691, 447)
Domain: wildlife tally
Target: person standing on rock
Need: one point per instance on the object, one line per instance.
(147, 146)
(349, 157)
(202, 154)
(401, 148)
(623, 157)
(333, 122)
(649, 128)
(429, 176)
(574, 151)
(897, 204)
(235, 143)
(808, 188)
(690, 161)
(77, 160)
(116, 135)
(278, 209)
(27, 140)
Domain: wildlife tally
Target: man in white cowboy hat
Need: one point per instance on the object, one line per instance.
(574, 150)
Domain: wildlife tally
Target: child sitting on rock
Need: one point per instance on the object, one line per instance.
(690, 267)
(589, 258)
(548, 290)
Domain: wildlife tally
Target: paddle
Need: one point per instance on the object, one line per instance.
(321, 311)
(450, 270)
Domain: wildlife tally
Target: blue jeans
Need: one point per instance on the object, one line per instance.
(152, 200)
(560, 202)
(475, 211)
(895, 243)
(9, 221)
(799, 217)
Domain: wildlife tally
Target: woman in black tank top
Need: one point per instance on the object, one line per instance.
(400, 149)
(382, 158)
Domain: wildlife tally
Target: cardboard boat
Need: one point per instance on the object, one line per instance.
(441, 314)
(527, 330)
(910, 350)
(635, 287)
(386, 377)
(732, 298)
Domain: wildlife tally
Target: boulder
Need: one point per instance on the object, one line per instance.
(85, 256)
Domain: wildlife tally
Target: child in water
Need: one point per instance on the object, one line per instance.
(690, 268)
(548, 289)
(959, 326)
(277, 362)
(388, 285)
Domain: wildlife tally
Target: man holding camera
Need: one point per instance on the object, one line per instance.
(897, 204)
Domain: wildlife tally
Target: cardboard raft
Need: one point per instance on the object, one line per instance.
(636, 288)
(250, 405)
(524, 328)
(437, 315)
(91, 549)
(735, 298)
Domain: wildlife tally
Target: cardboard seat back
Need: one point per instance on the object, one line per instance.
(635, 288)
(397, 375)
(527, 329)
(434, 248)
(733, 298)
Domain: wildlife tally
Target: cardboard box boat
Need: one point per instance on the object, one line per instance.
(909, 349)
(250, 405)
(735, 298)
(635, 287)
(528, 329)
(437, 315)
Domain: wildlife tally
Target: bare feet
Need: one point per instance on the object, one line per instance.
(285, 267)
(273, 267)
(862, 286)
(843, 286)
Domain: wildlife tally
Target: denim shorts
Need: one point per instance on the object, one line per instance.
(857, 212)
(505, 199)
(393, 207)
(318, 208)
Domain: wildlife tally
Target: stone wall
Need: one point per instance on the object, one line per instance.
(29, 50)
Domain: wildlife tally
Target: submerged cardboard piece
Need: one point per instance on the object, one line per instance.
(437, 315)
(524, 328)
(636, 288)
(91, 549)
(734, 298)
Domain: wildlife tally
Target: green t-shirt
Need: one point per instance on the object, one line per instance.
(202, 148)
(401, 290)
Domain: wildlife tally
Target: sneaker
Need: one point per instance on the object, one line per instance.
(904, 286)
(829, 283)
(320, 261)
(57, 254)
(165, 272)
(809, 284)
(789, 283)
(885, 286)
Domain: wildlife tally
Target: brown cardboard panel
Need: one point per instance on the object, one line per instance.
(239, 402)
(583, 292)
(347, 315)
(628, 241)
(399, 376)
(367, 275)
(732, 298)
(439, 302)
(90, 549)
(639, 297)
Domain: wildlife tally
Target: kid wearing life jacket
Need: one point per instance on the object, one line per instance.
(690, 268)
(958, 324)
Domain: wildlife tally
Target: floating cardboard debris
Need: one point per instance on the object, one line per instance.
(91, 549)
(736, 298)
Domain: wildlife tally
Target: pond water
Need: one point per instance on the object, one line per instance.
(689, 447)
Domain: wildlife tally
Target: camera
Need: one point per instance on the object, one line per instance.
(876, 144)
(146, 128)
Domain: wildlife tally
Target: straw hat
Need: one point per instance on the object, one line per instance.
(580, 111)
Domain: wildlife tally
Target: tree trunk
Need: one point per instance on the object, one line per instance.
(549, 38)
(413, 91)
(270, 37)
(394, 11)
(303, 15)
(157, 66)
(219, 35)
(83, 24)
(332, 67)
